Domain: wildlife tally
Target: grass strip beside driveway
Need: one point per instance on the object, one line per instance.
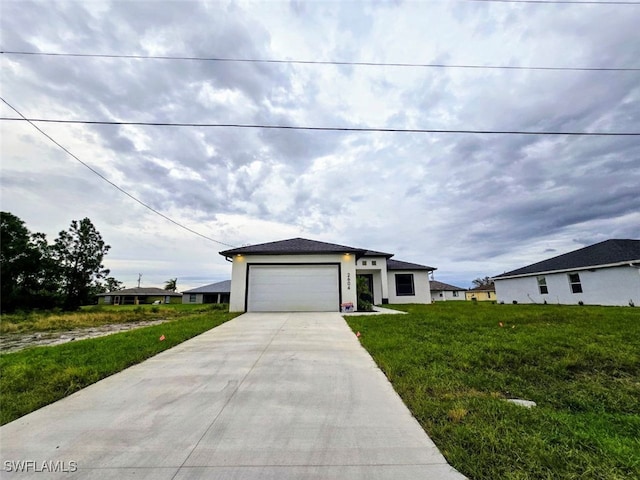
(95, 315)
(455, 363)
(35, 377)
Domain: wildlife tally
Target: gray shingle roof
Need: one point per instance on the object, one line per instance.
(219, 287)
(293, 246)
(399, 265)
(305, 246)
(142, 291)
(603, 253)
(373, 253)
(440, 286)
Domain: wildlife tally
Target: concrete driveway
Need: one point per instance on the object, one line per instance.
(264, 396)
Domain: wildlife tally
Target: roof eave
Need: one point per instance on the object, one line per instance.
(423, 268)
(357, 252)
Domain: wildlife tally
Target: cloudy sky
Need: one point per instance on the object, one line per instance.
(469, 204)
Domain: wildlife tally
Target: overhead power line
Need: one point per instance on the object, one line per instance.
(321, 62)
(113, 184)
(327, 129)
(570, 2)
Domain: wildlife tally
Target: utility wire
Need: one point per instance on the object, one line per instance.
(320, 62)
(570, 2)
(326, 129)
(110, 182)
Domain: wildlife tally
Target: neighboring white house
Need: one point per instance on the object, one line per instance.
(212, 293)
(442, 292)
(307, 275)
(607, 273)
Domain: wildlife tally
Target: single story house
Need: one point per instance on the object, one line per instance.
(482, 293)
(606, 273)
(139, 296)
(212, 293)
(442, 292)
(307, 275)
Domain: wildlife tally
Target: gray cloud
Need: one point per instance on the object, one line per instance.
(464, 203)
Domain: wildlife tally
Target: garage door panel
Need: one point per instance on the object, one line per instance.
(275, 288)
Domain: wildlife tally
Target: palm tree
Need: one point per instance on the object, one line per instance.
(171, 284)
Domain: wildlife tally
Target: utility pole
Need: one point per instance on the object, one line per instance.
(139, 277)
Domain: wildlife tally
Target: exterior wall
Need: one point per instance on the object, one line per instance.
(481, 296)
(200, 298)
(420, 285)
(187, 296)
(379, 272)
(446, 295)
(239, 274)
(138, 299)
(605, 286)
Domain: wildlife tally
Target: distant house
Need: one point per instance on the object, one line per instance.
(442, 292)
(139, 296)
(212, 293)
(481, 294)
(607, 273)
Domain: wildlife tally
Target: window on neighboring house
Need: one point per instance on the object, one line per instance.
(455, 293)
(404, 284)
(374, 262)
(440, 294)
(542, 285)
(574, 281)
(364, 262)
(192, 298)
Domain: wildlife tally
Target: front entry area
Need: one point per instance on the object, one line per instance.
(293, 288)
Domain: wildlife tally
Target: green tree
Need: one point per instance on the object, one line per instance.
(482, 282)
(79, 252)
(171, 284)
(28, 273)
(110, 284)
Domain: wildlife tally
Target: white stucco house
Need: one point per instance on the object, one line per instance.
(443, 292)
(218, 292)
(307, 275)
(607, 273)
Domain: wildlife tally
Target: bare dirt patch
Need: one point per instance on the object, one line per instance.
(13, 342)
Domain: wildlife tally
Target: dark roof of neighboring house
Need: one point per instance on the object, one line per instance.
(440, 286)
(293, 246)
(398, 265)
(142, 291)
(220, 287)
(603, 253)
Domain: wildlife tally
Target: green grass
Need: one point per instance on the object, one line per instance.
(46, 321)
(35, 377)
(453, 365)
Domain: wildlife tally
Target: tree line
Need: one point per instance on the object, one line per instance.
(35, 274)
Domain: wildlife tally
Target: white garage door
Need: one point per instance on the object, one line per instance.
(293, 288)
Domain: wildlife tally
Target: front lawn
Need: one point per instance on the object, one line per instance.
(455, 363)
(35, 377)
